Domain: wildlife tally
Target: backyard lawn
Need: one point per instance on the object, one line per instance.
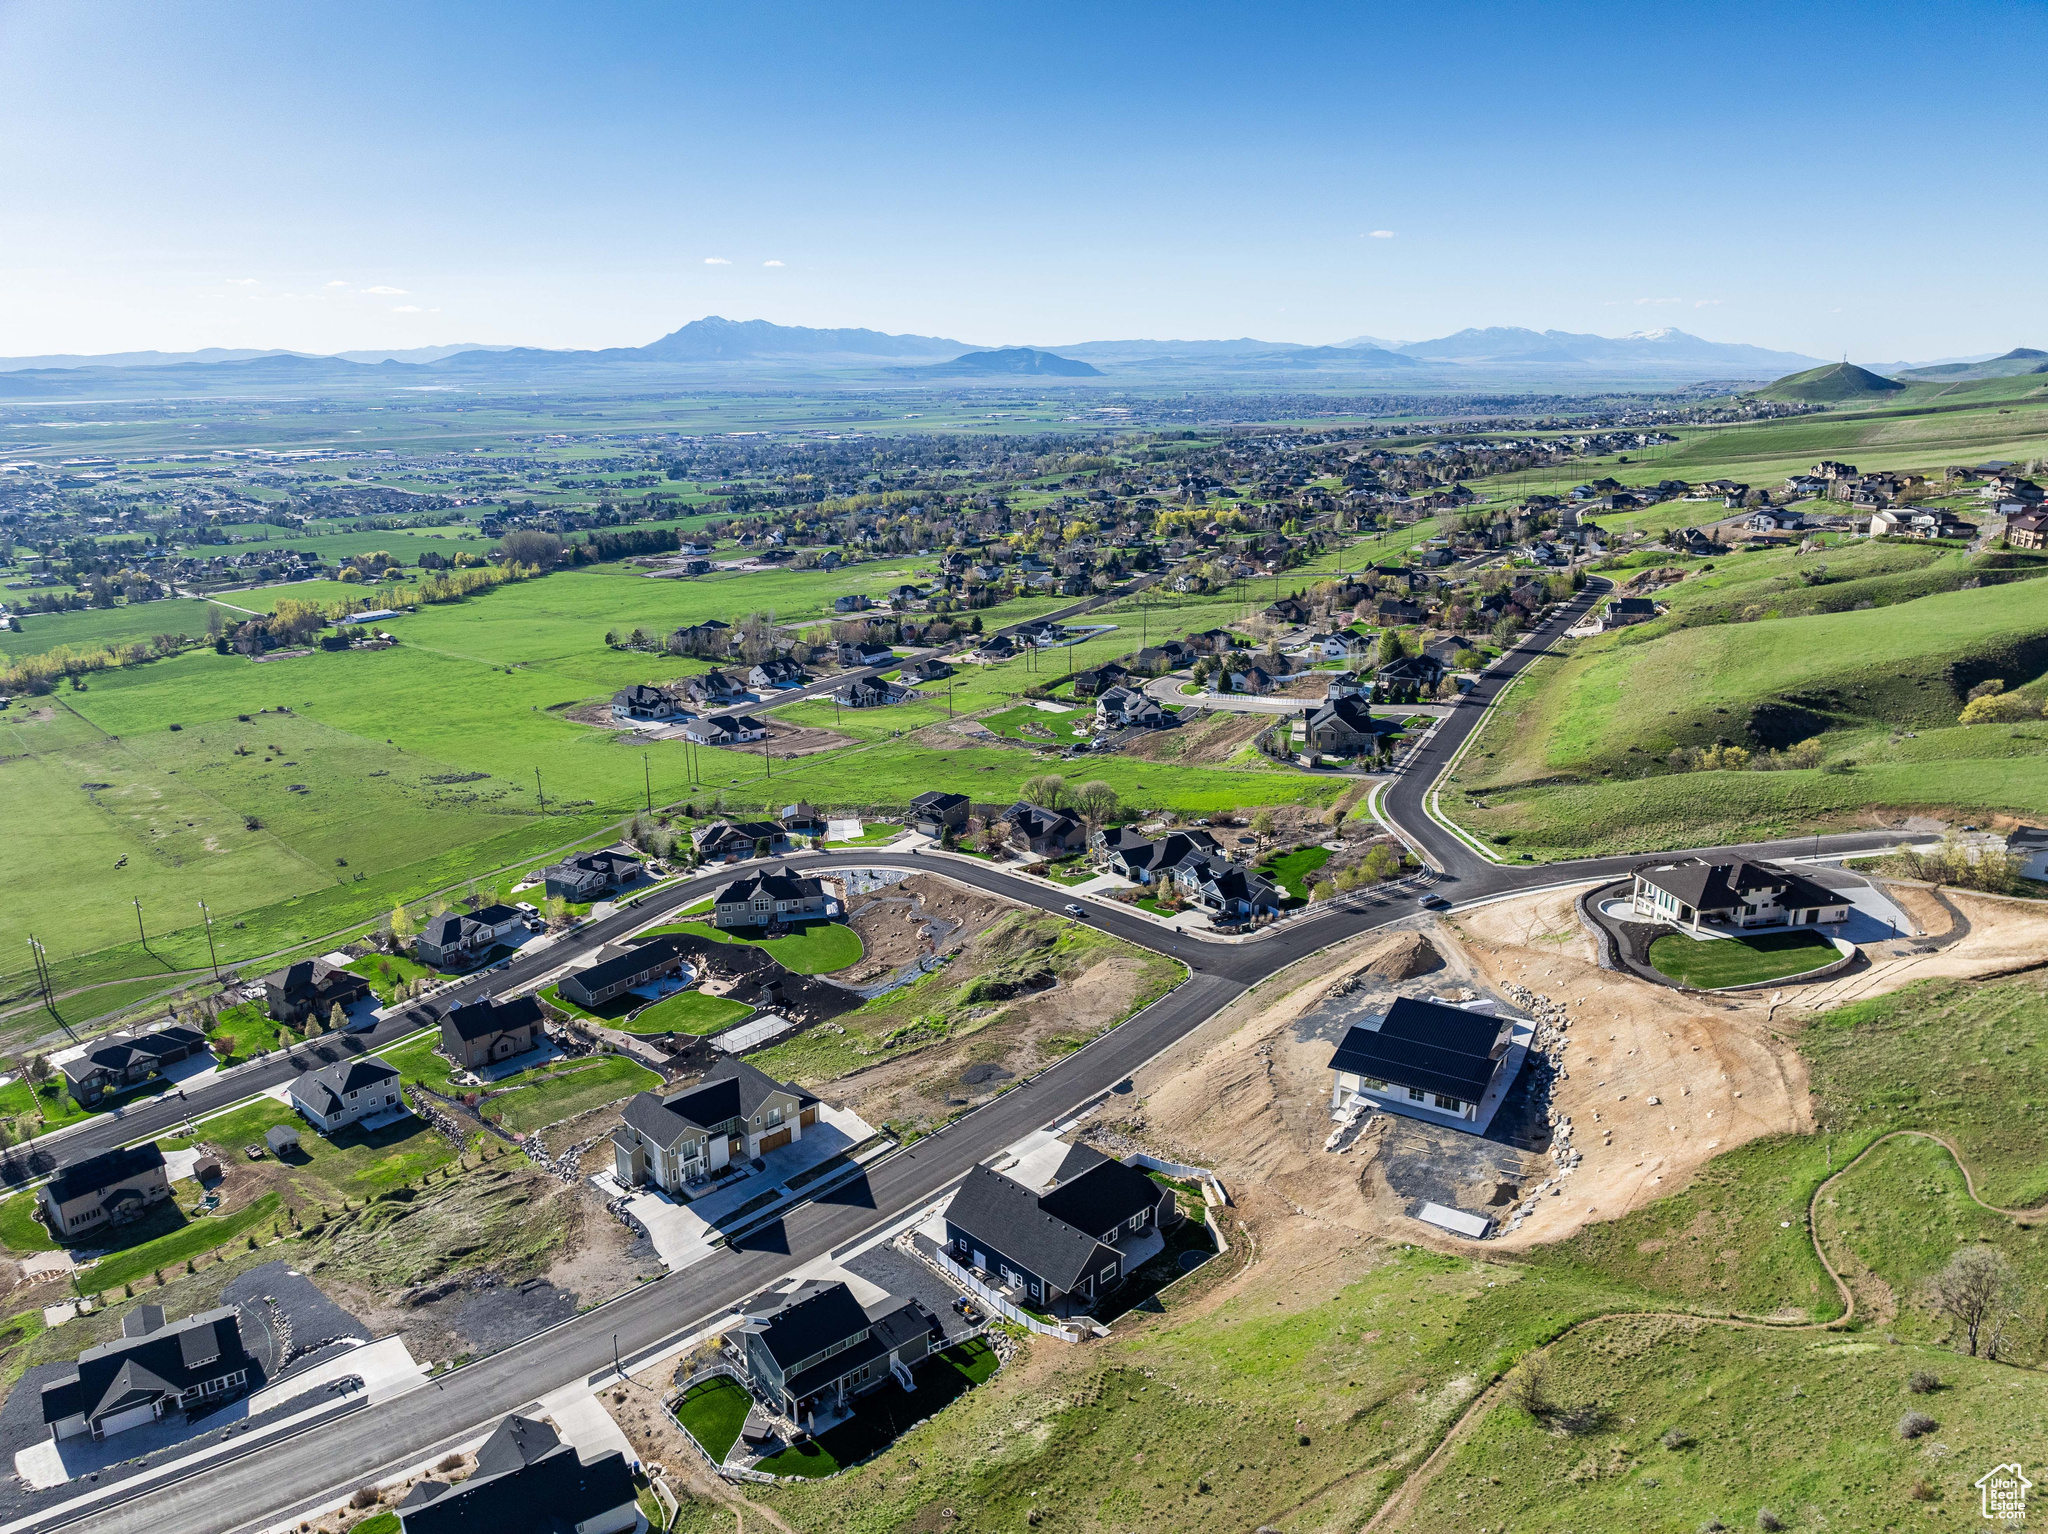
(19, 1099)
(328, 1168)
(1716, 962)
(187, 1241)
(1290, 870)
(689, 1012)
(820, 948)
(20, 1230)
(880, 1418)
(386, 972)
(243, 1029)
(714, 1411)
(580, 1086)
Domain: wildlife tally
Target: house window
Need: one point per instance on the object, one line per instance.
(1137, 1222)
(1416, 1094)
(1108, 1274)
(1449, 1104)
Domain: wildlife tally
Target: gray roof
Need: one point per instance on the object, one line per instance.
(1006, 1216)
(103, 1171)
(1720, 886)
(481, 1019)
(327, 1089)
(731, 1089)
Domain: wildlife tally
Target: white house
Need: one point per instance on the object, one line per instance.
(1695, 893)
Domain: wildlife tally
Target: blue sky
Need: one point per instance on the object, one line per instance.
(325, 176)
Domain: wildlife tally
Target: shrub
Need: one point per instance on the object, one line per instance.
(1924, 1382)
(1766, 1519)
(1916, 1425)
(1921, 1490)
(363, 1497)
(1677, 1438)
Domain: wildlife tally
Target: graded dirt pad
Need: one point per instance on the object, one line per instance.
(1006, 1040)
(1204, 742)
(1997, 935)
(790, 740)
(921, 915)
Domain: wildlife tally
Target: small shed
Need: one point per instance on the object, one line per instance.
(207, 1168)
(281, 1138)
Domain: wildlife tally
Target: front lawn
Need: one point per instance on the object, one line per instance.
(49, 1101)
(690, 1012)
(608, 1013)
(1290, 870)
(883, 1416)
(819, 948)
(241, 1030)
(713, 1411)
(1038, 725)
(20, 1230)
(417, 1062)
(1715, 962)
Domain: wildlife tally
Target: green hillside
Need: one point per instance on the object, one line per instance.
(1827, 385)
(2017, 363)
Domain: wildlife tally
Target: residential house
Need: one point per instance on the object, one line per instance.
(1255, 681)
(1088, 683)
(345, 1093)
(1775, 519)
(711, 689)
(1940, 524)
(1343, 645)
(852, 602)
(590, 875)
(621, 967)
(1391, 610)
(642, 702)
(906, 595)
(1045, 833)
(115, 1062)
(1411, 679)
(113, 1188)
(1121, 850)
(1226, 890)
(1290, 610)
(773, 900)
(1128, 708)
(1060, 1238)
(931, 670)
(1690, 540)
(725, 841)
(817, 1346)
(294, 993)
(151, 1369)
(1435, 1061)
(935, 812)
(864, 652)
(735, 1113)
(725, 730)
(487, 1032)
(462, 937)
(2027, 529)
(527, 1481)
(802, 820)
(871, 692)
(2030, 845)
(1696, 893)
(711, 637)
(994, 648)
(1623, 611)
(776, 674)
(1345, 726)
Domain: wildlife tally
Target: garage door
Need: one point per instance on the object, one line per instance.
(775, 1141)
(121, 1421)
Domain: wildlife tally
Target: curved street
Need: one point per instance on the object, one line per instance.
(394, 1433)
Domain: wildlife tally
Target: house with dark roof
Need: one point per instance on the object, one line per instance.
(777, 674)
(1344, 725)
(528, 1481)
(710, 689)
(864, 652)
(487, 1032)
(1098, 678)
(1142, 859)
(872, 692)
(345, 1093)
(620, 967)
(1046, 833)
(1622, 611)
(149, 1370)
(1062, 1240)
(297, 991)
(643, 702)
(590, 875)
(115, 1062)
(1226, 889)
(769, 899)
(930, 670)
(1433, 1060)
(817, 1347)
(112, 1188)
(1129, 708)
(935, 812)
(457, 938)
(737, 1112)
(1695, 893)
(802, 819)
(1411, 679)
(725, 841)
(725, 730)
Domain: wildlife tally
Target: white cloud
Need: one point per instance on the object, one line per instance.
(245, 282)
(405, 309)
(1702, 303)
(771, 263)
(384, 292)
(1381, 234)
(716, 261)
(337, 283)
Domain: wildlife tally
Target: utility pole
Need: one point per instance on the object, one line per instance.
(144, 936)
(209, 940)
(540, 791)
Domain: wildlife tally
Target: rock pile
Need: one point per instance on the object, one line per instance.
(1546, 1056)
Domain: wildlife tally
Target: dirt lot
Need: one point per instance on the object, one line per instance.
(789, 740)
(921, 915)
(1204, 742)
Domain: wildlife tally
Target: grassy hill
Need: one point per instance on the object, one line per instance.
(1827, 385)
(1575, 760)
(2018, 362)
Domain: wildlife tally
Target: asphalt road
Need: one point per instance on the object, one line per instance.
(407, 1429)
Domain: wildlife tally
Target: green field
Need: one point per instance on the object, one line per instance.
(1710, 963)
(1290, 870)
(816, 948)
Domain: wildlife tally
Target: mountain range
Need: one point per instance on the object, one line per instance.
(715, 349)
